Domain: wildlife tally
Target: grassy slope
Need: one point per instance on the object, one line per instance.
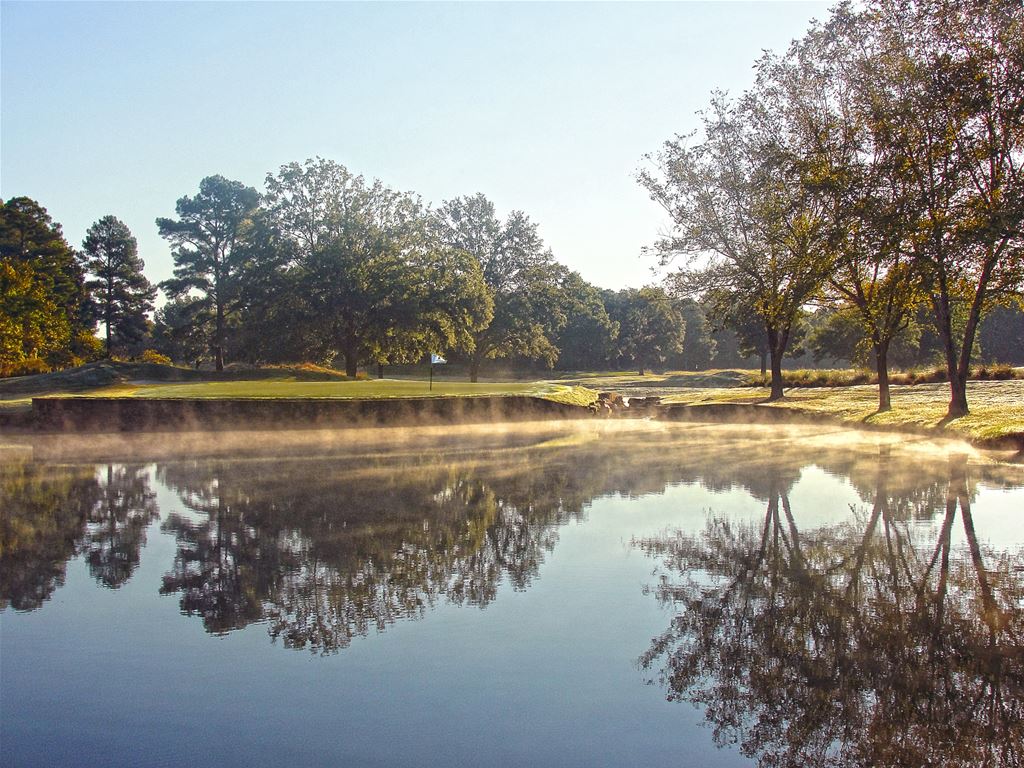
(997, 407)
(373, 389)
(106, 379)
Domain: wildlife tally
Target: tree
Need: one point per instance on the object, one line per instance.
(205, 235)
(374, 283)
(521, 275)
(650, 327)
(839, 152)
(1002, 336)
(587, 340)
(45, 312)
(947, 91)
(737, 198)
(121, 292)
(699, 346)
(182, 330)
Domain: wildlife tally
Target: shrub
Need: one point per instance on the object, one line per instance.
(152, 356)
(27, 367)
(847, 378)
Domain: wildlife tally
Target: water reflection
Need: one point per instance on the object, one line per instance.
(53, 513)
(325, 550)
(877, 641)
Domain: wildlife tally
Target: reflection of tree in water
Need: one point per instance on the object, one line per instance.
(52, 513)
(324, 550)
(116, 523)
(857, 644)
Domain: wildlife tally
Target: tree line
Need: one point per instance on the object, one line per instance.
(323, 266)
(327, 266)
(874, 168)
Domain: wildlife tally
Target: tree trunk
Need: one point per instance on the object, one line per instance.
(351, 364)
(957, 397)
(218, 340)
(474, 369)
(641, 369)
(764, 363)
(957, 373)
(776, 346)
(776, 376)
(882, 368)
(107, 309)
(380, 370)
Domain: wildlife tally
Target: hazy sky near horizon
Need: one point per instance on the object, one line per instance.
(121, 108)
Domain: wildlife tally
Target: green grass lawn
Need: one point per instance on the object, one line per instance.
(366, 389)
(997, 407)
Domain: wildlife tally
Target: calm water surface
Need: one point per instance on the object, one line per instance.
(564, 595)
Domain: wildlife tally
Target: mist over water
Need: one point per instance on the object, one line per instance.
(554, 593)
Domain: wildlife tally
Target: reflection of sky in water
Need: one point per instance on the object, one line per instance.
(544, 674)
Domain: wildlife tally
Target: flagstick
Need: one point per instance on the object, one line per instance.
(431, 387)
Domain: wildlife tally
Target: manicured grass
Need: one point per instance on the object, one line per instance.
(997, 407)
(368, 389)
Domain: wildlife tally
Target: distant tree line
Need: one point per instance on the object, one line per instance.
(325, 266)
(288, 278)
(873, 170)
(329, 267)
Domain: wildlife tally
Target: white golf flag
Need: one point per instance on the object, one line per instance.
(436, 359)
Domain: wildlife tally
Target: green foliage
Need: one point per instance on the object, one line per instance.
(734, 196)
(521, 276)
(1002, 336)
(363, 271)
(587, 340)
(182, 330)
(44, 308)
(650, 327)
(152, 356)
(204, 237)
(699, 346)
(121, 293)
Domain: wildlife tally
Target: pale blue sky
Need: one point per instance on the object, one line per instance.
(121, 108)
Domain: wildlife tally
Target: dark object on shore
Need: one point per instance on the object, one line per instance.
(608, 404)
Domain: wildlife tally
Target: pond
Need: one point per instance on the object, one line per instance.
(628, 593)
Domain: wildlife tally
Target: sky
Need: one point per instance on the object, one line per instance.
(548, 108)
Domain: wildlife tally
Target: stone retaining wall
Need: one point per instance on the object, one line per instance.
(139, 415)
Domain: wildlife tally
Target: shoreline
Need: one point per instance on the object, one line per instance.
(761, 413)
(81, 415)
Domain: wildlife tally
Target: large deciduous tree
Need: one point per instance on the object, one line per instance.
(522, 278)
(952, 107)
(374, 281)
(841, 157)
(205, 237)
(736, 200)
(120, 291)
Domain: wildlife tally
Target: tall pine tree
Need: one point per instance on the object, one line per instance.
(120, 291)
